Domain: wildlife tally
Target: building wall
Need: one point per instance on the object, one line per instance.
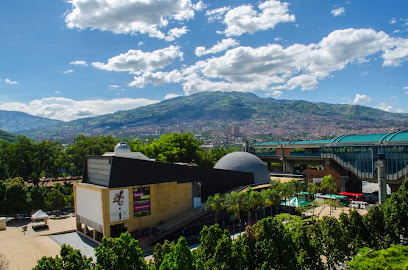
(313, 173)
(286, 152)
(167, 200)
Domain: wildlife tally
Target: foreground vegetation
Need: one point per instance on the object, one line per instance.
(268, 244)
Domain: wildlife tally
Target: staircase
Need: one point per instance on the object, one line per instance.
(175, 223)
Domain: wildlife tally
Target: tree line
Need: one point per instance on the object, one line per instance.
(18, 198)
(268, 244)
(47, 159)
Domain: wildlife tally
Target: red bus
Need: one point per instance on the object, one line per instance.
(353, 196)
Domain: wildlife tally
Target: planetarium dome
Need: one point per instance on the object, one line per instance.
(122, 148)
(245, 162)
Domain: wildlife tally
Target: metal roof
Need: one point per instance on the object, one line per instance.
(380, 138)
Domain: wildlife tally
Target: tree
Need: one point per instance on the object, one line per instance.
(120, 253)
(216, 203)
(258, 201)
(83, 146)
(56, 200)
(329, 184)
(209, 237)
(69, 259)
(271, 197)
(223, 257)
(312, 188)
(234, 202)
(180, 259)
(358, 232)
(176, 147)
(160, 252)
(375, 223)
(16, 198)
(308, 248)
(2, 195)
(334, 240)
(297, 186)
(35, 198)
(394, 257)
(286, 190)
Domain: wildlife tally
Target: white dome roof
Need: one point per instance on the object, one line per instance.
(245, 162)
(122, 148)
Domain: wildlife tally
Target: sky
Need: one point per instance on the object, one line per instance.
(80, 58)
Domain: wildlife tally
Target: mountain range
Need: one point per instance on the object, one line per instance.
(15, 122)
(208, 113)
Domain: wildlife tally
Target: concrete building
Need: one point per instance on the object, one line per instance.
(126, 191)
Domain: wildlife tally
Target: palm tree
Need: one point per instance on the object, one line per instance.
(216, 203)
(258, 201)
(271, 197)
(287, 191)
(274, 184)
(297, 186)
(312, 188)
(234, 204)
(329, 184)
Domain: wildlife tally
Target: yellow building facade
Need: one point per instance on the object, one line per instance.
(114, 210)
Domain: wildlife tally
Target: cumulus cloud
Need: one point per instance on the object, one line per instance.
(78, 63)
(68, 109)
(383, 106)
(137, 60)
(219, 47)
(274, 67)
(199, 6)
(169, 96)
(396, 55)
(338, 12)
(176, 33)
(393, 21)
(244, 19)
(275, 94)
(216, 14)
(156, 78)
(361, 99)
(8, 81)
(129, 16)
(68, 71)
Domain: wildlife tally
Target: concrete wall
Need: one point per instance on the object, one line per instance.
(167, 200)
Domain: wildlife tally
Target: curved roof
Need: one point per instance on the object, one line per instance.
(245, 162)
(401, 136)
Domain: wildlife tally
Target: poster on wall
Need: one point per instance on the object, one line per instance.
(141, 201)
(119, 204)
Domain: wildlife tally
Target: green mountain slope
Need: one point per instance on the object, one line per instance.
(215, 106)
(17, 121)
(7, 136)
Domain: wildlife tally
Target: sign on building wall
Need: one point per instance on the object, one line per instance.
(119, 204)
(141, 201)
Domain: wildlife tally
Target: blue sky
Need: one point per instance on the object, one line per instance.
(71, 59)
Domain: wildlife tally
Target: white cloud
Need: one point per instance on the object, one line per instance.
(68, 71)
(338, 12)
(216, 14)
(219, 47)
(406, 88)
(275, 94)
(137, 60)
(393, 21)
(78, 63)
(363, 60)
(174, 33)
(156, 78)
(244, 19)
(361, 99)
(274, 67)
(169, 96)
(384, 107)
(140, 43)
(8, 81)
(199, 6)
(129, 16)
(68, 109)
(115, 86)
(398, 53)
(277, 39)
